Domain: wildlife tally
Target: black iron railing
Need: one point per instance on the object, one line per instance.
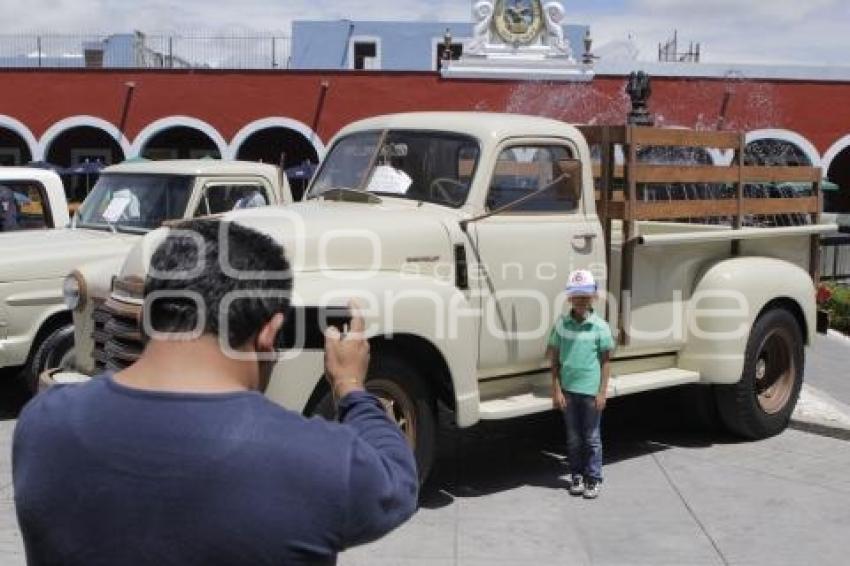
(139, 51)
(835, 258)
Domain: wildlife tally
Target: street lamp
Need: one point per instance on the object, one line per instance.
(588, 58)
(447, 46)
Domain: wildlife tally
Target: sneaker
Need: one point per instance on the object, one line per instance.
(577, 485)
(592, 489)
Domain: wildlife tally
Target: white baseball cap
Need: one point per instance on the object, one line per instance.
(581, 283)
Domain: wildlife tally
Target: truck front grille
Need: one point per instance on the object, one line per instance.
(118, 340)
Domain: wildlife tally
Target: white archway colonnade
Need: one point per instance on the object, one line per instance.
(39, 147)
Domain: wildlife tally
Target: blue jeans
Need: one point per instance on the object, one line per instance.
(584, 439)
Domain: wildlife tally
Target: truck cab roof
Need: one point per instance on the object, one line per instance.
(28, 174)
(195, 167)
(481, 125)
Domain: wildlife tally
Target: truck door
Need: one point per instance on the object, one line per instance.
(529, 251)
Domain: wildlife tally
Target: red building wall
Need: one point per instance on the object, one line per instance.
(228, 100)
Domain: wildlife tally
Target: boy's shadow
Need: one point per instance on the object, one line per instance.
(496, 456)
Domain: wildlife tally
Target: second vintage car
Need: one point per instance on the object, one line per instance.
(128, 201)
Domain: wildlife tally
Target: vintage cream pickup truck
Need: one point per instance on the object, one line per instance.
(457, 231)
(128, 201)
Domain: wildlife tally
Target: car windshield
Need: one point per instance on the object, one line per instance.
(418, 165)
(135, 203)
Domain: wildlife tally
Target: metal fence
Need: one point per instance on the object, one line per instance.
(835, 258)
(138, 51)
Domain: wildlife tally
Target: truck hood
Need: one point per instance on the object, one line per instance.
(48, 254)
(340, 236)
(343, 236)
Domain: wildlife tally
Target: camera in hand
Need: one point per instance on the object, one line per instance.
(304, 327)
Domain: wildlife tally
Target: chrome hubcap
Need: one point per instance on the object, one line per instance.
(399, 409)
(775, 371)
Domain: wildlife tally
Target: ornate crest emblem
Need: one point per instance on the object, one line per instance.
(518, 21)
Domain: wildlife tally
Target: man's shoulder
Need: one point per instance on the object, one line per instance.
(279, 422)
(51, 411)
(61, 398)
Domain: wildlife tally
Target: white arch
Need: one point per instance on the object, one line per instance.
(833, 152)
(22, 130)
(152, 129)
(793, 138)
(277, 122)
(54, 131)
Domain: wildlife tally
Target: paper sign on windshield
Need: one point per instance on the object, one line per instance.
(388, 179)
(116, 208)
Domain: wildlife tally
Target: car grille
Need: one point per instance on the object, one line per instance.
(117, 336)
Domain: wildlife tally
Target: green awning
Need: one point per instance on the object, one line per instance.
(829, 186)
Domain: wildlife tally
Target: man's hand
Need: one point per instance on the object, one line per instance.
(600, 401)
(347, 355)
(559, 400)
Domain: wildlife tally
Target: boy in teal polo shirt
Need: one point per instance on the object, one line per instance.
(579, 347)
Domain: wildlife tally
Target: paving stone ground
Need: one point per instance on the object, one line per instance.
(675, 493)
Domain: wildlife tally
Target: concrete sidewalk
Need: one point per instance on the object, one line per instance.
(674, 493)
(498, 497)
(667, 500)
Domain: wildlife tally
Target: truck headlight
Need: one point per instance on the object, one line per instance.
(73, 291)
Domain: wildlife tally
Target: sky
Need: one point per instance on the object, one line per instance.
(730, 31)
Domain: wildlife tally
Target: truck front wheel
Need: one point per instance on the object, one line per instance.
(55, 351)
(407, 400)
(761, 403)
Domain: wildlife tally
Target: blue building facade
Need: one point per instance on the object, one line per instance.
(389, 46)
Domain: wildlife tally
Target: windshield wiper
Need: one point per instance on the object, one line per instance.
(359, 195)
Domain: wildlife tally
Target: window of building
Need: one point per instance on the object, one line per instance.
(522, 170)
(224, 197)
(23, 206)
(364, 53)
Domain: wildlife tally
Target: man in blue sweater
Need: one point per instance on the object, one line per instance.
(180, 459)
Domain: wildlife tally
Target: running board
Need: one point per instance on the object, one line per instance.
(538, 400)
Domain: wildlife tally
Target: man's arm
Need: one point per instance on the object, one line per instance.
(383, 482)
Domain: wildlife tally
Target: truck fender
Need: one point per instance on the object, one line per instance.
(725, 303)
(396, 305)
(49, 321)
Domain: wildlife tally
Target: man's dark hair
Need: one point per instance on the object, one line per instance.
(258, 268)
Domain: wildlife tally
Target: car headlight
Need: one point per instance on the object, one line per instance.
(73, 291)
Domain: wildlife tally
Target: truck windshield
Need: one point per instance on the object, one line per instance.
(418, 165)
(135, 202)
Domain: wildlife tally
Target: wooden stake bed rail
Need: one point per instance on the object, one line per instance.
(625, 205)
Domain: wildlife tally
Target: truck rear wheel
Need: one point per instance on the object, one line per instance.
(408, 402)
(761, 403)
(55, 351)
